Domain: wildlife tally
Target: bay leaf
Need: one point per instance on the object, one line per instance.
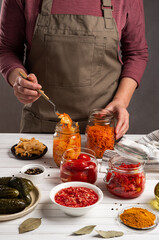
(29, 225)
(85, 230)
(109, 234)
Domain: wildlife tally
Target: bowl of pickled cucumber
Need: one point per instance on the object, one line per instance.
(18, 197)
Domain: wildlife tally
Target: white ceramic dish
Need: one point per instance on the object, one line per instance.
(138, 230)
(79, 210)
(34, 178)
(35, 195)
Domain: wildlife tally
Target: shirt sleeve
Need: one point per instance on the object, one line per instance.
(12, 37)
(134, 47)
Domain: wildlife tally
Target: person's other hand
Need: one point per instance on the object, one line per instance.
(26, 90)
(122, 116)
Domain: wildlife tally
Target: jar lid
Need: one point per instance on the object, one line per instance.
(131, 152)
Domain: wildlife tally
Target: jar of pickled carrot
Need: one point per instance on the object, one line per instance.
(64, 139)
(100, 132)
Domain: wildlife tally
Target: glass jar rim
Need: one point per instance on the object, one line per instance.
(99, 116)
(59, 129)
(88, 151)
(120, 160)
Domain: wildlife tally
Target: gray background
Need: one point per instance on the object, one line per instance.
(144, 106)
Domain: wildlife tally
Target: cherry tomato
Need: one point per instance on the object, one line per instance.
(68, 165)
(92, 165)
(80, 165)
(92, 172)
(84, 157)
(92, 175)
(79, 176)
(76, 165)
(78, 170)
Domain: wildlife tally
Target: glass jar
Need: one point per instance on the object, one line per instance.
(65, 138)
(100, 132)
(79, 164)
(125, 177)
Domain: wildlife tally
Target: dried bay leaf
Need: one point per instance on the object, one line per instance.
(29, 225)
(109, 234)
(85, 230)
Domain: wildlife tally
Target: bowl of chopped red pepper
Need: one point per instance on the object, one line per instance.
(76, 198)
(82, 167)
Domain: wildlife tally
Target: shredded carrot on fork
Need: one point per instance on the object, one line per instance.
(65, 119)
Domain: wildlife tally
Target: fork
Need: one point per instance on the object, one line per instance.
(23, 75)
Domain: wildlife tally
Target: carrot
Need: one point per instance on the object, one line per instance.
(100, 138)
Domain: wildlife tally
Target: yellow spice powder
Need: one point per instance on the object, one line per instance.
(138, 218)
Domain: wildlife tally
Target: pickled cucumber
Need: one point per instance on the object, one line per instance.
(8, 192)
(5, 181)
(9, 206)
(21, 186)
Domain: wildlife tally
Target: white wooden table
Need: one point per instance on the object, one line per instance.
(55, 224)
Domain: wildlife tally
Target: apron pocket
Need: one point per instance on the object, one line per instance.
(69, 60)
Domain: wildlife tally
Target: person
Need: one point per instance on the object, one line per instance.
(83, 54)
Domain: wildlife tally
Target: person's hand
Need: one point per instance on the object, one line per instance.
(26, 90)
(122, 116)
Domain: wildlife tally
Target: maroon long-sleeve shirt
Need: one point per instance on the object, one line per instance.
(18, 19)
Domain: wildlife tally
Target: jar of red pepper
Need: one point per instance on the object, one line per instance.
(81, 166)
(100, 134)
(125, 177)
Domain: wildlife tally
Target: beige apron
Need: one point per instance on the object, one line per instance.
(75, 58)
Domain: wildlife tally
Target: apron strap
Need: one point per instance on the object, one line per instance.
(108, 16)
(46, 7)
(106, 7)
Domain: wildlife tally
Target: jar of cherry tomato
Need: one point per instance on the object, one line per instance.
(100, 134)
(65, 138)
(79, 164)
(125, 177)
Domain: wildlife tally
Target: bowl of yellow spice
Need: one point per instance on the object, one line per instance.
(138, 218)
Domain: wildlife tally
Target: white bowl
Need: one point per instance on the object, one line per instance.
(37, 178)
(79, 210)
